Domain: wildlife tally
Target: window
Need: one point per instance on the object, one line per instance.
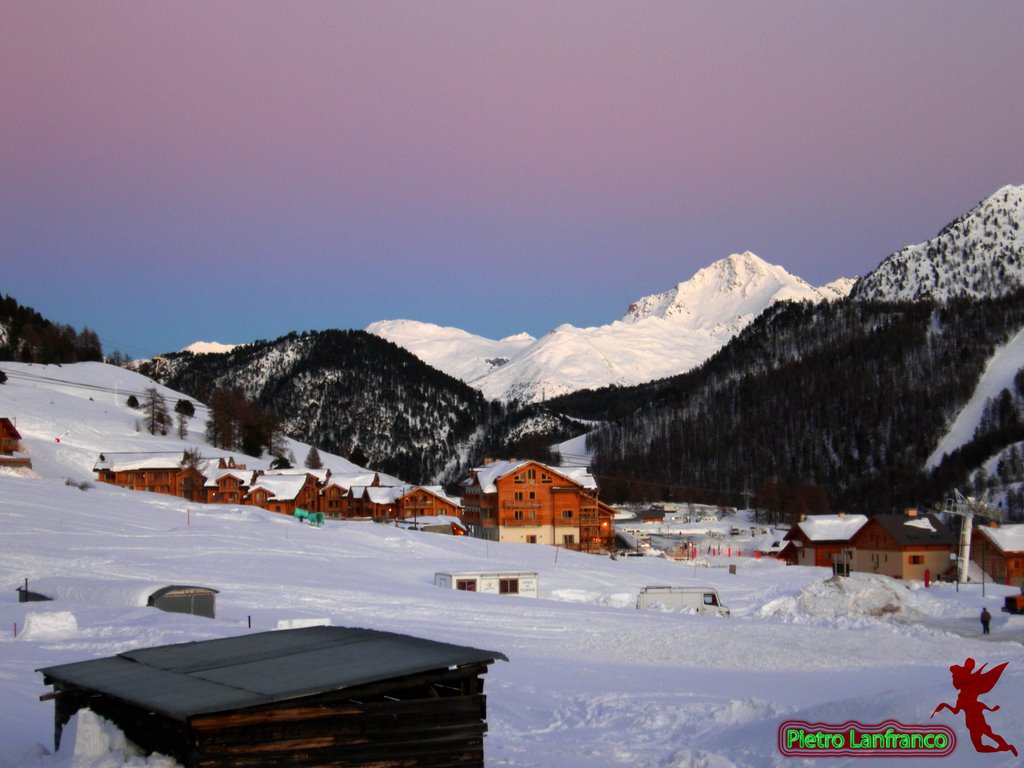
(466, 585)
(710, 598)
(917, 559)
(519, 495)
(508, 586)
(567, 514)
(526, 476)
(545, 478)
(533, 495)
(518, 514)
(531, 539)
(568, 539)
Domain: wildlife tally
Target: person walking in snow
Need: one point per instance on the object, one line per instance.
(986, 617)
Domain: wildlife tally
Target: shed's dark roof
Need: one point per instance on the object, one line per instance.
(188, 679)
(922, 529)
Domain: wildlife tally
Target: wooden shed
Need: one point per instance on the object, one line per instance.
(301, 697)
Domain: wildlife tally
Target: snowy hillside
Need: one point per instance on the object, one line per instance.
(661, 335)
(456, 352)
(981, 254)
(590, 682)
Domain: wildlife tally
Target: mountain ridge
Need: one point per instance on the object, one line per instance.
(980, 254)
(660, 335)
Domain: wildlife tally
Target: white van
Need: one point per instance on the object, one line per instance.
(696, 599)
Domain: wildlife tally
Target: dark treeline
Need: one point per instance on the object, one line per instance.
(31, 338)
(348, 392)
(812, 407)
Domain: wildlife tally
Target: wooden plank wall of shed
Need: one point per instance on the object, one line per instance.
(436, 719)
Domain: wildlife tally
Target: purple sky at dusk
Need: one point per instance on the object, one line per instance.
(229, 171)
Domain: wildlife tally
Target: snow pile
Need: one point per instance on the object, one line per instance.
(858, 596)
(57, 625)
(101, 744)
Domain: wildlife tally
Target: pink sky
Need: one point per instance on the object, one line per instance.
(499, 167)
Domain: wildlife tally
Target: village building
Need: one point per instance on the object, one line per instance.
(155, 471)
(427, 501)
(527, 501)
(10, 444)
(308, 696)
(377, 503)
(824, 540)
(228, 483)
(284, 492)
(903, 546)
(400, 502)
(999, 551)
(334, 495)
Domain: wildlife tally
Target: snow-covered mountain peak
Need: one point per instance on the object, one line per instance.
(740, 285)
(661, 335)
(978, 255)
(208, 347)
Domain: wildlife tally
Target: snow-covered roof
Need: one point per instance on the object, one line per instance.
(488, 475)
(125, 462)
(385, 494)
(281, 487)
(1009, 538)
(216, 473)
(320, 474)
(346, 480)
(831, 527)
(434, 490)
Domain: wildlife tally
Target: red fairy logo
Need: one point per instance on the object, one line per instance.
(973, 683)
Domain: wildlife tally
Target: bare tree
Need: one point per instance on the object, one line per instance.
(154, 407)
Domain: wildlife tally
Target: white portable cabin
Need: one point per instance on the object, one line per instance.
(697, 599)
(503, 583)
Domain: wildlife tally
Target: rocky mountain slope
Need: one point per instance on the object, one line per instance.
(980, 254)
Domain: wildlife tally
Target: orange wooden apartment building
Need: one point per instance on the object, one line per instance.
(530, 502)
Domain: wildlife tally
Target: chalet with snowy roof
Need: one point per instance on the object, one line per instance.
(228, 483)
(428, 501)
(283, 492)
(999, 551)
(334, 494)
(903, 546)
(377, 503)
(400, 502)
(154, 471)
(530, 502)
(823, 540)
(10, 444)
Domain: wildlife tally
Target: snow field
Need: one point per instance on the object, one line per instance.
(591, 681)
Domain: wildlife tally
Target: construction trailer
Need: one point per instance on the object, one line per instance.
(522, 583)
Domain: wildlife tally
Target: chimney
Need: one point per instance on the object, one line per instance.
(842, 515)
(911, 512)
